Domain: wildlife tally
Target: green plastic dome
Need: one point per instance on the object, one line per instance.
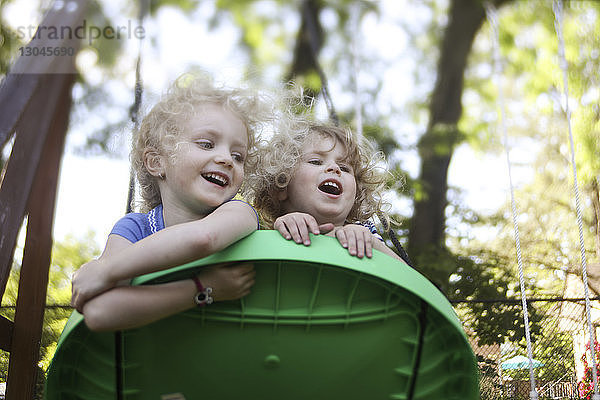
(319, 324)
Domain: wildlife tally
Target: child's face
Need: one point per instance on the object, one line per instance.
(206, 166)
(323, 184)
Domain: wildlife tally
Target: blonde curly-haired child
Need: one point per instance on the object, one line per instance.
(190, 155)
(320, 178)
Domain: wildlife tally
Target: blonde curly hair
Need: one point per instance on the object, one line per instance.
(279, 157)
(161, 127)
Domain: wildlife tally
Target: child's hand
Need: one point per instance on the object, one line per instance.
(356, 238)
(297, 226)
(88, 281)
(228, 281)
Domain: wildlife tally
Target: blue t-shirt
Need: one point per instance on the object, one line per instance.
(136, 226)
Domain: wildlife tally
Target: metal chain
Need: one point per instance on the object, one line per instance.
(557, 7)
(355, 33)
(137, 103)
(492, 17)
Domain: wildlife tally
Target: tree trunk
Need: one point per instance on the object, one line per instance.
(436, 146)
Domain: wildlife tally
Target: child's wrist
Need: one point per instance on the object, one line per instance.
(109, 272)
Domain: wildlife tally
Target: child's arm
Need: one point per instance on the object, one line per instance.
(127, 307)
(167, 248)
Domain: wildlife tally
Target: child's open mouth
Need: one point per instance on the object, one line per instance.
(331, 187)
(215, 178)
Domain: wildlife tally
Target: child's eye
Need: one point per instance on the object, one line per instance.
(238, 157)
(205, 144)
(345, 168)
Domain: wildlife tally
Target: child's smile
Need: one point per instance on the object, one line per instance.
(323, 183)
(216, 178)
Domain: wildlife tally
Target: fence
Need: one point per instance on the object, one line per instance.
(495, 329)
(559, 338)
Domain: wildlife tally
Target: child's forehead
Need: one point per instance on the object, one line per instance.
(212, 108)
(215, 119)
(321, 143)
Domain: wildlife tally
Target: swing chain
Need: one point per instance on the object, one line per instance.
(493, 20)
(557, 7)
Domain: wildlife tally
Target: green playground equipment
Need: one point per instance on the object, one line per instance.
(319, 324)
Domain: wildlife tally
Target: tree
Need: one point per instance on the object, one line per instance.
(436, 145)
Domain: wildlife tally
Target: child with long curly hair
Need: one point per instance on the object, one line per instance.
(320, 178)
(190, 155)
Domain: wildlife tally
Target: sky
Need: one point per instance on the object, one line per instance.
(93, 189)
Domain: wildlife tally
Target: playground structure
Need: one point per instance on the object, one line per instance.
(319, 323)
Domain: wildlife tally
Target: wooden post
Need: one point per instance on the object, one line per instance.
(35, 100)
(33, 282)
(19, 89)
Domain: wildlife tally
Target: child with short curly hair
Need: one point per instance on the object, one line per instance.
(320, 178)
(190, 155)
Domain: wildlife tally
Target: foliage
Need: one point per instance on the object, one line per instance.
(553, 349)
(9, 41)
(67, 255)
(501, 318)
(534, 119)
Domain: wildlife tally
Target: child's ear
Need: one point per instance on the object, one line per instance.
(153, 162)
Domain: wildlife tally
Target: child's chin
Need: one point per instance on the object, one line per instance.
(214, 202)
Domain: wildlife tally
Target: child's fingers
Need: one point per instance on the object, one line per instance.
(305, 224)
(75, 303)
(358, 241)
(243, 268)
(250, 273)
(240, 272)
(282, 229)
(302, 223)
(78, 300)
(297, 226)
(311, 224)
(368, 237)
(247, 285)
(295, 231)
(229, 281)
(364, 243)
(326, 228)
(291, 226)
(341, 236)
(353, 244)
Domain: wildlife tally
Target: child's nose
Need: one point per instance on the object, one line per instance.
(224, 158)
(333, 167)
